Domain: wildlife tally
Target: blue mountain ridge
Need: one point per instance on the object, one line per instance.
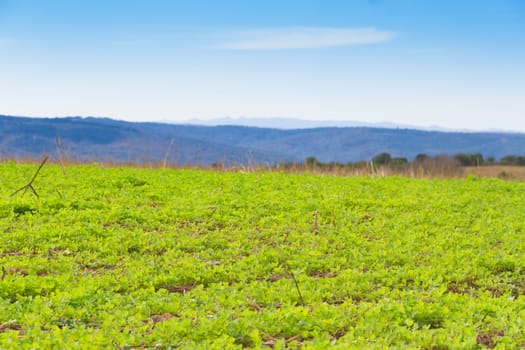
(105, 139)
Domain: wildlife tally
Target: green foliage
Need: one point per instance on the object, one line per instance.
(382, 159)
(421, 157)
(141, 258)
(513, 160)
(475, 159)
(311, 162)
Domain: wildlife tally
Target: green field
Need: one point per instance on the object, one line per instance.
(129, 258)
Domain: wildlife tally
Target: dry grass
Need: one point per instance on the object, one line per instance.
(506, 172)
(433, 168)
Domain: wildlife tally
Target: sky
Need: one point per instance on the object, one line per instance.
(449, 63)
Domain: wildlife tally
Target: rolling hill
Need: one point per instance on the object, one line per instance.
(104, 139)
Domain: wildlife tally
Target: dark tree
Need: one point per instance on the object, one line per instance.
(311, 162)
(475, 159)
(399, 162)
(382, 159)
(421, 157)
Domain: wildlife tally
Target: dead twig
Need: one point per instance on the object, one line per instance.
(291, 274)
(166, 155)
(29, 185)
(315, 225)
(60, 153)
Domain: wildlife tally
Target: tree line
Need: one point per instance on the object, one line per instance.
(385, 159)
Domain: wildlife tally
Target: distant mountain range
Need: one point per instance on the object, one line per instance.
(104, 139)
(289, 123)
(293, 123)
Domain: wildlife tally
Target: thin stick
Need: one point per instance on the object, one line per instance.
(60, 153)
(315, 225)
(165, 163)
(29, 185)
(296, 285)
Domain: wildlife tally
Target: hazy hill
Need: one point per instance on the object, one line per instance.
(292, 123)
(106, 139)
(92, 139)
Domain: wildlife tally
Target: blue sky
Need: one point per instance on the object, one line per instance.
(456, 64)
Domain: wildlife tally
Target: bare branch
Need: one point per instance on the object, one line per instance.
(291, 274)
(29, 185)
(60, 153)
(166, 155)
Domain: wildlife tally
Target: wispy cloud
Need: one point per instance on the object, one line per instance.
(304, 38)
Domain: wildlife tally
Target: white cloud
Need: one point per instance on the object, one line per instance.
(304, 38)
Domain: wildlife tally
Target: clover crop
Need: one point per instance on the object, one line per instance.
(132, 258)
